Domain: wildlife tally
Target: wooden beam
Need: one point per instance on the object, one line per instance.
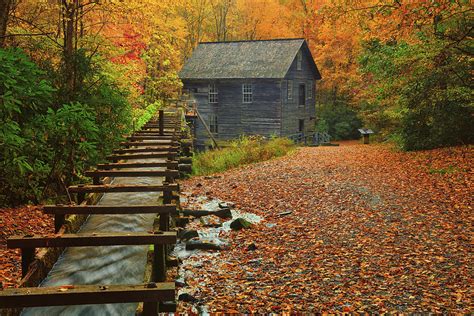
(154, 131)
(163, 137)
(147, 150)
(92, 239)
(132, 173)
(151, 143)
(105, 209)
(110, 188)
(120, 165)
(139, 133)
(169, 155)
(86, 294)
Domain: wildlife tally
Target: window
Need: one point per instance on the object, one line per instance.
(247, 93)
(309, 89)
(290, 89)
(299, 60)
(213, 93)
(213, 123)
(302, 94)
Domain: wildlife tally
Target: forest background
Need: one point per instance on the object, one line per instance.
(75, 75)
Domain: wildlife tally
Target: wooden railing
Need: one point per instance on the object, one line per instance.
(157, 139)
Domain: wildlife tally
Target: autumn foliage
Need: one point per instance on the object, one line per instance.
(369, 230)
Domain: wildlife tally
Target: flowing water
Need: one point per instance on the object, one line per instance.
(107, 264)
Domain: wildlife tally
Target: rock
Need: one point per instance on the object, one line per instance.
(255, 262)
(226, 205)
(196, 244)
(240, 223)
(251, 247)
(212, 177)
(188, 234)
(223, 213)
(186, 297)
(182, 221)
(211, 221)
(195, 213)
(180, 283)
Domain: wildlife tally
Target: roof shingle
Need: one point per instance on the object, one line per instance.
(241, 59)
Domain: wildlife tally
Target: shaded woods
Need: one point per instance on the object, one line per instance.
(75, 74)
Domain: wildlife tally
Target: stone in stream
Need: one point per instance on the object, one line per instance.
(195, 213)
(251, 247)
(211, 221)
(226, 205)
(188, 234)
(182, 221)
(203, 245)
(240, 223)
(180, 282)
(223, 213)
(186, 297)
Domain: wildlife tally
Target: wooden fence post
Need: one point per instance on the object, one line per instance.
(58, 221)
(159, 263)
(27, 257)
(161, 121)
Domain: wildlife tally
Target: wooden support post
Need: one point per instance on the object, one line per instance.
(96, 180)
(150, 308)
(366, 139)
(58, 221)
(159, 263)
(161, 121)
(81, 196)
(27, 257)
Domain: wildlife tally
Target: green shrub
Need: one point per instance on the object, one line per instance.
(338, 120)
(46, 144)
(243, 151)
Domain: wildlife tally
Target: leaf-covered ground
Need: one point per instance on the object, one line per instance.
(19, 221)
(371, 229)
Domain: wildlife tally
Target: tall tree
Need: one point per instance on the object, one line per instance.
(5, 6)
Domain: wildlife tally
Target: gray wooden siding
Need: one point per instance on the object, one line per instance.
(263, 115)
(291, 111)
(235, 118)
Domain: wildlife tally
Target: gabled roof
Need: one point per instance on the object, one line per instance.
(244, 59)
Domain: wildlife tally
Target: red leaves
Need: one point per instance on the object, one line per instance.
(26, 220)
(371, 230)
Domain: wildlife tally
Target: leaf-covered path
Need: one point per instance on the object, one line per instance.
(371, 229)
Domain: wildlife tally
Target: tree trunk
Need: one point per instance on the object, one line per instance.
(5, 6)
(69, 15)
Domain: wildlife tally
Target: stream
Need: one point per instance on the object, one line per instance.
(106, 264)
(213, 235)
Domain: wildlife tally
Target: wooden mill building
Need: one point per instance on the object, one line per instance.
(252, 88)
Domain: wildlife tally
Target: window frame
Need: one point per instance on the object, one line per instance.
(213, 124)
(213, 94)
(299, 61)
(247, 93)
(289, 88)
(309, 90)
(300, 98)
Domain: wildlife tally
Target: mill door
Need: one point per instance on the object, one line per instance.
(301, 126)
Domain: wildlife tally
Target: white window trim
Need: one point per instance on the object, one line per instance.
(214, 93)
(247, 93)
(289, 87)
